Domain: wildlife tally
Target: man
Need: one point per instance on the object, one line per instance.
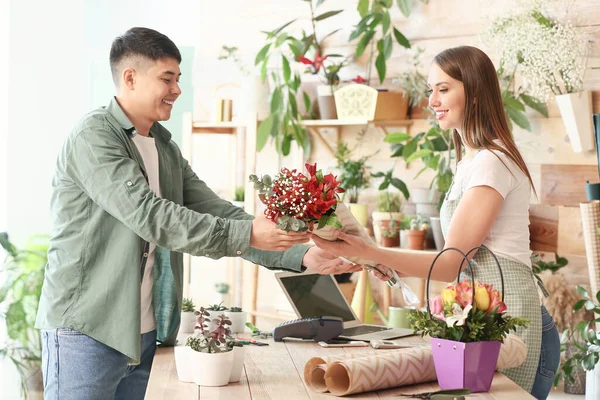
(125, 206)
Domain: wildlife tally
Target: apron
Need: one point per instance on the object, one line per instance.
(520, 296)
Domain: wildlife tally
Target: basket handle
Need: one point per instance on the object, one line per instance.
(482, 247)
(461, 264)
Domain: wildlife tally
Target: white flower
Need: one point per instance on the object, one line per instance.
(551, 58)
(459, 315)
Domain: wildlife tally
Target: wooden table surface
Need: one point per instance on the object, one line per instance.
(276, 372)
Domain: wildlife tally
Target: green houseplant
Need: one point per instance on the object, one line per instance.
(388, 209)
(238, 319)
(21, 280)
(353, 172)
(284, 124)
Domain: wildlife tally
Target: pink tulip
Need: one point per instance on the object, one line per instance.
(496, 302)
(436, 305)
(464, 293)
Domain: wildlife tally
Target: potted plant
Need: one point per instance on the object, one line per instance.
(353, 178)
(415, 236)
(388, 209)
(587, 340)
(465, 331)
(239, 196)
(213, 310)
(284, 121)
(210, 359)
(414, 83)
(21, 279)
(188, 316)
(552, 63)
(390, 233)
(237, 318)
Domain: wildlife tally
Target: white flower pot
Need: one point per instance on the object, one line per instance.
(576, 111)
(424, 195)
(183, 363)
(238, 321)
(356, 102)
(592, 382)
(188, 322)
(238, 364)
(211, 369)
(379, 216)
(326, 102)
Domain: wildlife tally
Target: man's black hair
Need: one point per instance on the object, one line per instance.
(141, 42)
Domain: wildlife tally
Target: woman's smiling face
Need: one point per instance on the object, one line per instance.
(446, 98)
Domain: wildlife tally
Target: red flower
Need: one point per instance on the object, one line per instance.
(359, 79)
(316, 64)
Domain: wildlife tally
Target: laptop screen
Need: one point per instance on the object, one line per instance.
(316, 295)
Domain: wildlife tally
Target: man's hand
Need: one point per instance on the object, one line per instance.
(266, 236)
(326, 263)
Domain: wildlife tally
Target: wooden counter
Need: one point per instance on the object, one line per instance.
(276, 372)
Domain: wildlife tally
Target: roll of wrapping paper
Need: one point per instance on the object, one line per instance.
(351, 226)
(363, 372)
(590, 221)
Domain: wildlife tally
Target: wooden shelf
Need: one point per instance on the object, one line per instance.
(229, 128)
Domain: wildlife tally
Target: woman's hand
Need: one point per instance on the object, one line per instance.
(346, 245)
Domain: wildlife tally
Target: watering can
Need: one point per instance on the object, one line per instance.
(398, 316)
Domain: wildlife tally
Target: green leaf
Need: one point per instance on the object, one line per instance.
(397, 137)
(328, 35)
(597, 296)
(405, 6)
(384, 185)
(276, 100)
(363, 7)
(293, 104)
(381, 175)
(286, 144)
(419, 154)
(580, 304)
(307, 102)
(535, 104)
(380, 66)
(319, 2)
(582, 292)
(510, 101)
(263, 71)
(264, 131)
(541, 19)
(410, 148)
(327, 15)
(280, 39)
(363, 42)
(385, 22)
(519, 118)
(261, 54)
(400, 185)
(401, 39)
(276, 31)
(388, 46)
(589, 305)
(287, 71)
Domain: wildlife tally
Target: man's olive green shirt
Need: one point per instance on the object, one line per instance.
(104, 214)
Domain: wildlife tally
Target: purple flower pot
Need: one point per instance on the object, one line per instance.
(461, 365)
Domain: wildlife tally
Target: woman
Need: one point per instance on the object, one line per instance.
(487, 204)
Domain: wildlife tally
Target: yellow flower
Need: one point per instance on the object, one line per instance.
(449, 295)
(482, 298)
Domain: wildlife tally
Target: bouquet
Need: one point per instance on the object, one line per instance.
(462, 315)
(299, 202)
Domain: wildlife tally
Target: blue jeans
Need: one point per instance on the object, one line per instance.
(77, 367)
(549, 358)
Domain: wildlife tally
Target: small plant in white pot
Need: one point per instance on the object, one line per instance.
(211, 360)
(188, 318)
(222, 295)
(389, 205)
(237, 318)
(238, 359)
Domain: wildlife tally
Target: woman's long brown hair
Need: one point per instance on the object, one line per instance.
(484, 117)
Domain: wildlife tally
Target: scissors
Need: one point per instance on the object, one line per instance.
(251, 341)
(454, 394)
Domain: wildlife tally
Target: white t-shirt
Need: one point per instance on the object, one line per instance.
(147, 149)
(509, 236)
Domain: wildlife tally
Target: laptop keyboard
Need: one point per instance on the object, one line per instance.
(362, 329)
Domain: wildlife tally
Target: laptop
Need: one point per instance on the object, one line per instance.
(315, 295)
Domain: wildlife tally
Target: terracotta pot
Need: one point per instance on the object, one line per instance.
(393, 241)
(416, 239)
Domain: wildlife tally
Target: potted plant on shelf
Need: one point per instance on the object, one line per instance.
(415, 236)
(390, 233)
(21, 279)
(353, 178)
(284, 122)
(388, 209)
(188, 316)
(552, 62)
(211, 360)
(238, 196)
(237, 318)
